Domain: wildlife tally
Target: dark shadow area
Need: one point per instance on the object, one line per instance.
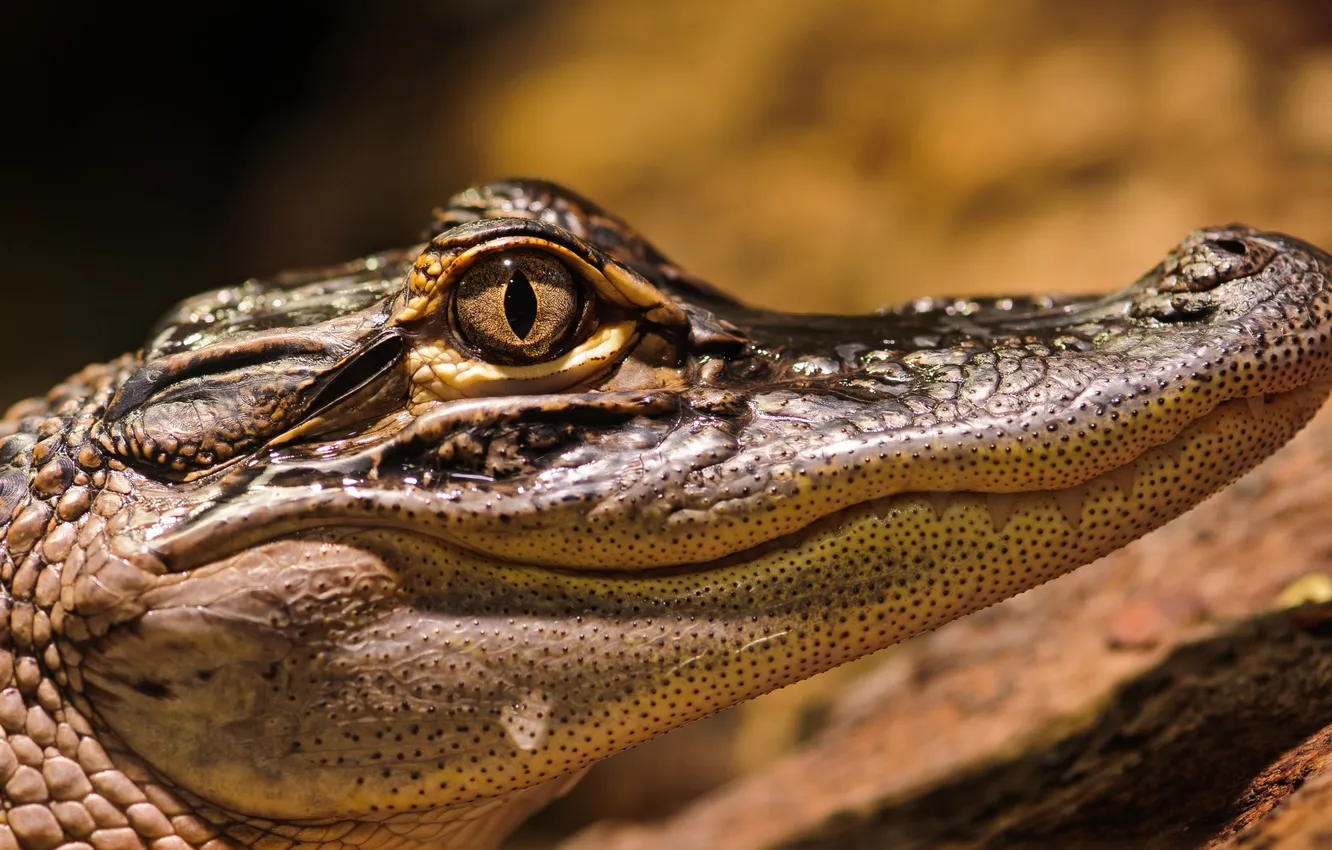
(143, 147)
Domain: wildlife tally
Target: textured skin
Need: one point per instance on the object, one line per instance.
(276, 581)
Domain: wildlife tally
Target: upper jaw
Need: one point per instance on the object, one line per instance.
(815, 413)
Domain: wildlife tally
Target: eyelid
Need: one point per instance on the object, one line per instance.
(429, 287)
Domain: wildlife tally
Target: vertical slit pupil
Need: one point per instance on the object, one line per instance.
(520, 305)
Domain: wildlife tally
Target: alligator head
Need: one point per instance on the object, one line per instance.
(385, 554)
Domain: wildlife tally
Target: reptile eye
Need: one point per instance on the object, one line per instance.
(517, 307)
(511, 306)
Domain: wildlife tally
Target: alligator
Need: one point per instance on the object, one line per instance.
(385, 555)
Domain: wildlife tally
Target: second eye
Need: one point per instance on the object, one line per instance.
(517, 307)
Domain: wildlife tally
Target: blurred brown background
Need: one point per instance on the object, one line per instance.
(826, 155)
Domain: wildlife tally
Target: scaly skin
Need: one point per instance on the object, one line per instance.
(316, 568)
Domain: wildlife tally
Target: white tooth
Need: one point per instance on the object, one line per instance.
(1069, 501)
(1257, 406)
(1123, 477)
(940, 502)
(1170, 451)
(881, 508)
(1001, 506)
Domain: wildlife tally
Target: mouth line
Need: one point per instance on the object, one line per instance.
(1280, 412)
(1001, 507)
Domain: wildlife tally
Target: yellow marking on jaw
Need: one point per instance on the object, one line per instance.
(442, 373)
(1170, 471)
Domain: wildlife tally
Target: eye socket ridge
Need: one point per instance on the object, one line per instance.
(519, 306)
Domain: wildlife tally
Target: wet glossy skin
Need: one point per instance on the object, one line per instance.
(384, 555)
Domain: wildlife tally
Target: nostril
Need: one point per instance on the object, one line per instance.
(1232, 246)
